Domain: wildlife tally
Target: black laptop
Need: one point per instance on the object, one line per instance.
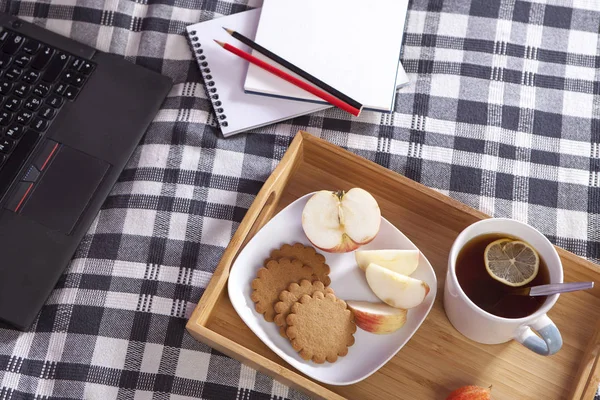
(70, 118)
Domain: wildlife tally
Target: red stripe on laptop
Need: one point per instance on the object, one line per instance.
(49, 157)
(24, 197)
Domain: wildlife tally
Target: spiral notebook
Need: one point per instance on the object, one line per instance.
(352, 45)
(224, 75)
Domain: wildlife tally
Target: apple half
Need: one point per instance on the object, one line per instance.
(395, 289)
(401, 261)
(377, 318)
(340, 222)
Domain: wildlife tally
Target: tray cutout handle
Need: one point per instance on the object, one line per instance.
(264, 215)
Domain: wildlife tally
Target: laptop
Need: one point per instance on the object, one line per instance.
(70, 118)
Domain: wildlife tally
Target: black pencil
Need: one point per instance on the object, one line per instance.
(315, 81)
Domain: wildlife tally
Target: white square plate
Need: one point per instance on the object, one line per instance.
(370, 352)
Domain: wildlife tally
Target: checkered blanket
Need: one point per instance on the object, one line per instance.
(502, 113)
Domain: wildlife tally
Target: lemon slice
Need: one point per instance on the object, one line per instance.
(511, 262)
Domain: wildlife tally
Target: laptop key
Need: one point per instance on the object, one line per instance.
(13, 74)
(22, 60)
(5, 117)
(55, 67)
(3, 36)
(21, 90)
(33, 103)
(42, 89)
(4, 60)
(6, 145)
(31, 77)
(46, 112)
(86, 68)
(73, 78)
(39, 124)
(76, 63)
(13, 43)
(5, 87)
(42, 58)
(15, 131)
(60, 88)
(12, 104)
(54, 101)
(24, 117)
(71, 93)
(31, 46)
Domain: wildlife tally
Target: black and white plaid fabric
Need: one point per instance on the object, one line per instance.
(502, 113)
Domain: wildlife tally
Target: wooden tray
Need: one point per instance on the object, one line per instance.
(437, 359)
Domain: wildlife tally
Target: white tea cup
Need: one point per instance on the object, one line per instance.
(483, 327)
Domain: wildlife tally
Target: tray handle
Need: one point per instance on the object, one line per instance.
(266, 212)
(259, 212)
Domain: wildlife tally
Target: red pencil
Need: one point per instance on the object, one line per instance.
(291, 79)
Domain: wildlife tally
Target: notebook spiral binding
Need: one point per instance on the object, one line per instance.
(209, 84)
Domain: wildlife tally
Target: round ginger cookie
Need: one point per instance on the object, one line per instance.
(272, 279)
(321, 327)
(308, 256)
(290, 296)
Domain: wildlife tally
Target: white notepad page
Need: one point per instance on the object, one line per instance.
(352, 45)
(244, 111)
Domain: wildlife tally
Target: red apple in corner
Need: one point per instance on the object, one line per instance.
(377, 317)
(339, 222)
(471, 392)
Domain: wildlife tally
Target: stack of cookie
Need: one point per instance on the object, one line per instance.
(292, 290)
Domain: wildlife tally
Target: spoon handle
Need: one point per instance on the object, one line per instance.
(553, 288)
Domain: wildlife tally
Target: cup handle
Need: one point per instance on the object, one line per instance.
(550, 342)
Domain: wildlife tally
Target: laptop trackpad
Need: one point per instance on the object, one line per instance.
(64, 191)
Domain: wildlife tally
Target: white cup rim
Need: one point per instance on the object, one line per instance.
(550, 301)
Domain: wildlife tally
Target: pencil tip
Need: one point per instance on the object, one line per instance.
(219, 43)
(230, 31)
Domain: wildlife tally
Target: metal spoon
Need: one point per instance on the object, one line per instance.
(553, 288)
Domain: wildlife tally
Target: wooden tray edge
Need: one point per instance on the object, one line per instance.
(588, 375)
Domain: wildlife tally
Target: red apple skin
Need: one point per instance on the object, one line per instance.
(375, 323)
(345, 246)
(471, 392)
(427, 288)
(378, 323)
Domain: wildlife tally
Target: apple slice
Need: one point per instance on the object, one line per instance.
(339, 222)
(395, 289)
(401, 261)
(377, 318)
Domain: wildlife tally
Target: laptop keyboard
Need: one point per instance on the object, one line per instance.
(36, 81)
